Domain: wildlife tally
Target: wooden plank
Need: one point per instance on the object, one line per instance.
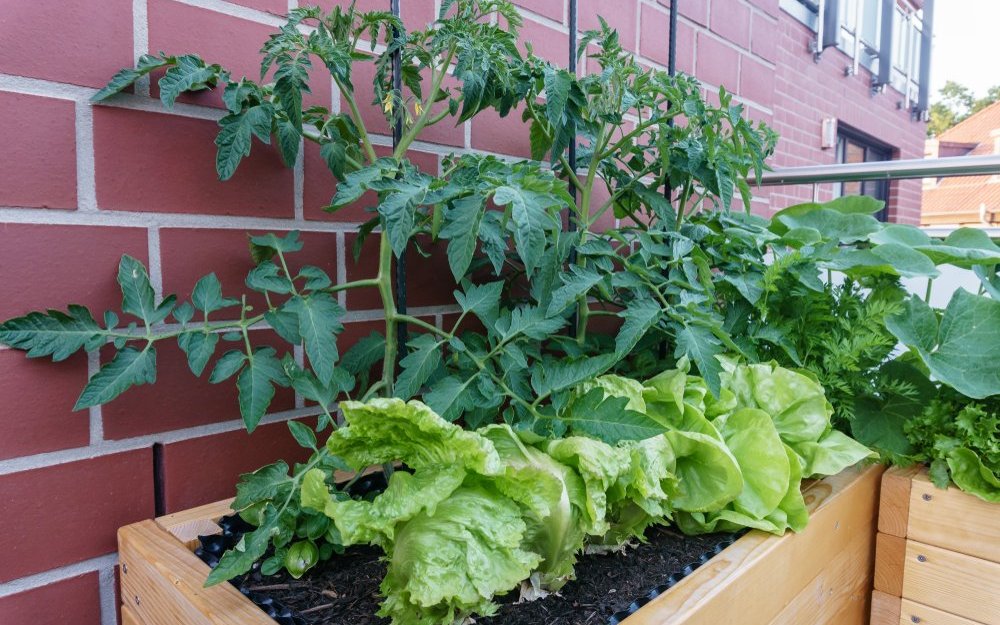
(188, 525)
(953, 520)
(894, 500)
(890, 555)
(759, 575)
(839, 593)
(885, 609)
(162, 582)
(953, 582)
(912, 612)
(129, 617)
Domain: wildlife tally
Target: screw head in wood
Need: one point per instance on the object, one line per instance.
(921, 558)
(926, 497)
(137, 602)
(915, 619)
(124, 569)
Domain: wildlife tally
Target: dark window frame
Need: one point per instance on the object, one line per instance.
(873, 150)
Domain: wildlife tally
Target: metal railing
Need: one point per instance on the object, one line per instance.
(884, 170)
(888, 170)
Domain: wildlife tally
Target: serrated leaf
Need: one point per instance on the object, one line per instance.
(130, 367)
(483, 300)
(701, 347)
(364, 354)
(576, 282)
(335, 156)
(307, 385)
(449, 397)
(319, 323)
(125, 77)
(256, 385)
(562, 374)
(315, 278)
(608, 419)
(137, 292)
(230, 362)
(263, 247)
(188, 73)
(640, 316)
(289, 139)
(183, 314)
(199, 348)
(207, 295)
(236, 135)
(266, 277)
(248, 550)
(423, 359)
(285, 322)
(539, 140)
(303, 434)
(530, 321)
(461, 229)
(398, 210)
(530, 222)
(56, 334)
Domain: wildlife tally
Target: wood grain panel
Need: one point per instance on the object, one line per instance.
(912, 612)
(953, 582)
(953, 520)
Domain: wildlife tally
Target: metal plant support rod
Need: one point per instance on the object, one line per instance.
(884, 170)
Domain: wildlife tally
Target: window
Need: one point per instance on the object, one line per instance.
(860, 31)
(806, 11)
(907, 33)
(853, 148)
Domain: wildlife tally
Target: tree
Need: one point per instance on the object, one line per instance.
(956, 103)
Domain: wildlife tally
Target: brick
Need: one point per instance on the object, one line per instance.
(180, 400)
(320, 186)
(429, 281)
(502, 135)
(654, 34)
(771, 7)
(756, 81)
(552, 9)
(229, 41)
(731, 20)
(764, 37)
(35, 422)
(154, 162)
(205, 469)
(546, 42)
(718, 64)
(190, 253)
(42, 265)
(39, 156)
(696, 11)
(72, 41)
(75, 600)
(70, 512)
(619, 14)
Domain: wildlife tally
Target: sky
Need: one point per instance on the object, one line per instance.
(966, 33)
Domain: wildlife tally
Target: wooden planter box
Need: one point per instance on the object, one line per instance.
(822, 575)
(938, 554)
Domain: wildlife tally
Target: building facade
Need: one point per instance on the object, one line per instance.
(80, 185)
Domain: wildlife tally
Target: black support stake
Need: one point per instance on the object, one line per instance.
(397, 134)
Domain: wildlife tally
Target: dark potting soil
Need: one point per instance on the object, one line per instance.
(345, 590)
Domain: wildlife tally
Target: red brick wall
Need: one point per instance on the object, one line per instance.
(80, 185)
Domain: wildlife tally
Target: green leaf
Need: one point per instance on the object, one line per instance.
(125, 77)
(319, 323)
(541, 142)
(449, 397)
(289, 139)
(227, 366)
(56, 334)
(207, 295)
(316, 279)
(423, 359)
(398, 209)
(265, 246)
(188, 73)
(285, 322)
(256, 385)
(303, 434)
(356, 183)
(562, 374)
(267, 277)
(235, 137)
(307, 385)
(607, 419)
(483, 300)
(364, 354)
(266, 483)
(250, 549)
(576, 283)
(199, 348)
(530, 222)
(702, 347)
(964, 349)
(887, 258)
(137, 292)
(335, 156)
(130, 367)
(461, 229)
(639, 316)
